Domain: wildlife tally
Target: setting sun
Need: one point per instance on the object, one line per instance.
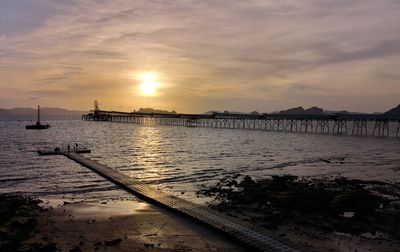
(148, 83)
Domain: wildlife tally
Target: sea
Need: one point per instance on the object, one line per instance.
(181, 160)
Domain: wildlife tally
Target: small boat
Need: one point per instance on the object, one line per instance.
(38, 125)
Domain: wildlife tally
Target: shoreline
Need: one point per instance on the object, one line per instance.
(104, 225)
(318, 214)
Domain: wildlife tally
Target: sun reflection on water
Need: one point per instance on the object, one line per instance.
(150, 147)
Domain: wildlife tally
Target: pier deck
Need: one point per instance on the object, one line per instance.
(335, 124)
(247, 233)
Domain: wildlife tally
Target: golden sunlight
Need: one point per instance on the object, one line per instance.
(148, 83)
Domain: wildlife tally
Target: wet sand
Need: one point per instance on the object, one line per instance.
(322, 214)
(115, 225)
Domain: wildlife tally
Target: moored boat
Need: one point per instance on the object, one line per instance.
(38, 125)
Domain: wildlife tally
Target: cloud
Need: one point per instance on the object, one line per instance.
(211, 52)
(14, 19)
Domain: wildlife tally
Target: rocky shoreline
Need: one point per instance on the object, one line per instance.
(18, 219)
(323, 214)
(317, 214)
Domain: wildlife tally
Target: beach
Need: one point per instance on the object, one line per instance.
(331, 214)
(112, 225)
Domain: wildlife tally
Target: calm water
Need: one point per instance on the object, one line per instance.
(180, 159)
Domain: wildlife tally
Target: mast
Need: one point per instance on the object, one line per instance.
(38, 114)
(96, 105)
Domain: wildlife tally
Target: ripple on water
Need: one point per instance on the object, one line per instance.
(163, 155)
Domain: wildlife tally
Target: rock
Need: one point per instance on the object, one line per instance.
(317, 203)
(75, 249)
(149, 245)
(113, 242)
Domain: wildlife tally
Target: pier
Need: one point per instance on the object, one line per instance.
(255, 237)
(337, 124)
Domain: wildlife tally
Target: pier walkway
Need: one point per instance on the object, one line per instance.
(336, 124)
(253, 236)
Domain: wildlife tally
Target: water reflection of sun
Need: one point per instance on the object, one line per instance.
(148, 84)
(147, 146)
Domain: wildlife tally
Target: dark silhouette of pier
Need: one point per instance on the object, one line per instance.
(336, 124)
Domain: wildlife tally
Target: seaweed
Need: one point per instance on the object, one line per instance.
(327, 204)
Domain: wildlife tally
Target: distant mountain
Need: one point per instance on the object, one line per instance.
(30, 114)
(394, 111)
(233, 112)
(301, 111)
(332, 112)
(156, 111)
(211, 112)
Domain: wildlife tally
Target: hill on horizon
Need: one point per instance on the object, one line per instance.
(54, 113)
(46, 113)
(301, 111)
(393, 111)
(310, 111)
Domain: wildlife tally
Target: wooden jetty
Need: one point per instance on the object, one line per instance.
(335, 124)
(255, 237)
(58, 151)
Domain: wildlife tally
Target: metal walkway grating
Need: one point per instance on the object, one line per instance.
(251, 235)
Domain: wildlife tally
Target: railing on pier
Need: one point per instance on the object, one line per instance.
(337, 124)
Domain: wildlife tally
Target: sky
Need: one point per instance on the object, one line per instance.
(202, 54)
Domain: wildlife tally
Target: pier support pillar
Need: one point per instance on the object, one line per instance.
(306, 124)
(340, 127)
(278, 125)
(291, 125)
(381, 128)
(359, 127)
(322, 126)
